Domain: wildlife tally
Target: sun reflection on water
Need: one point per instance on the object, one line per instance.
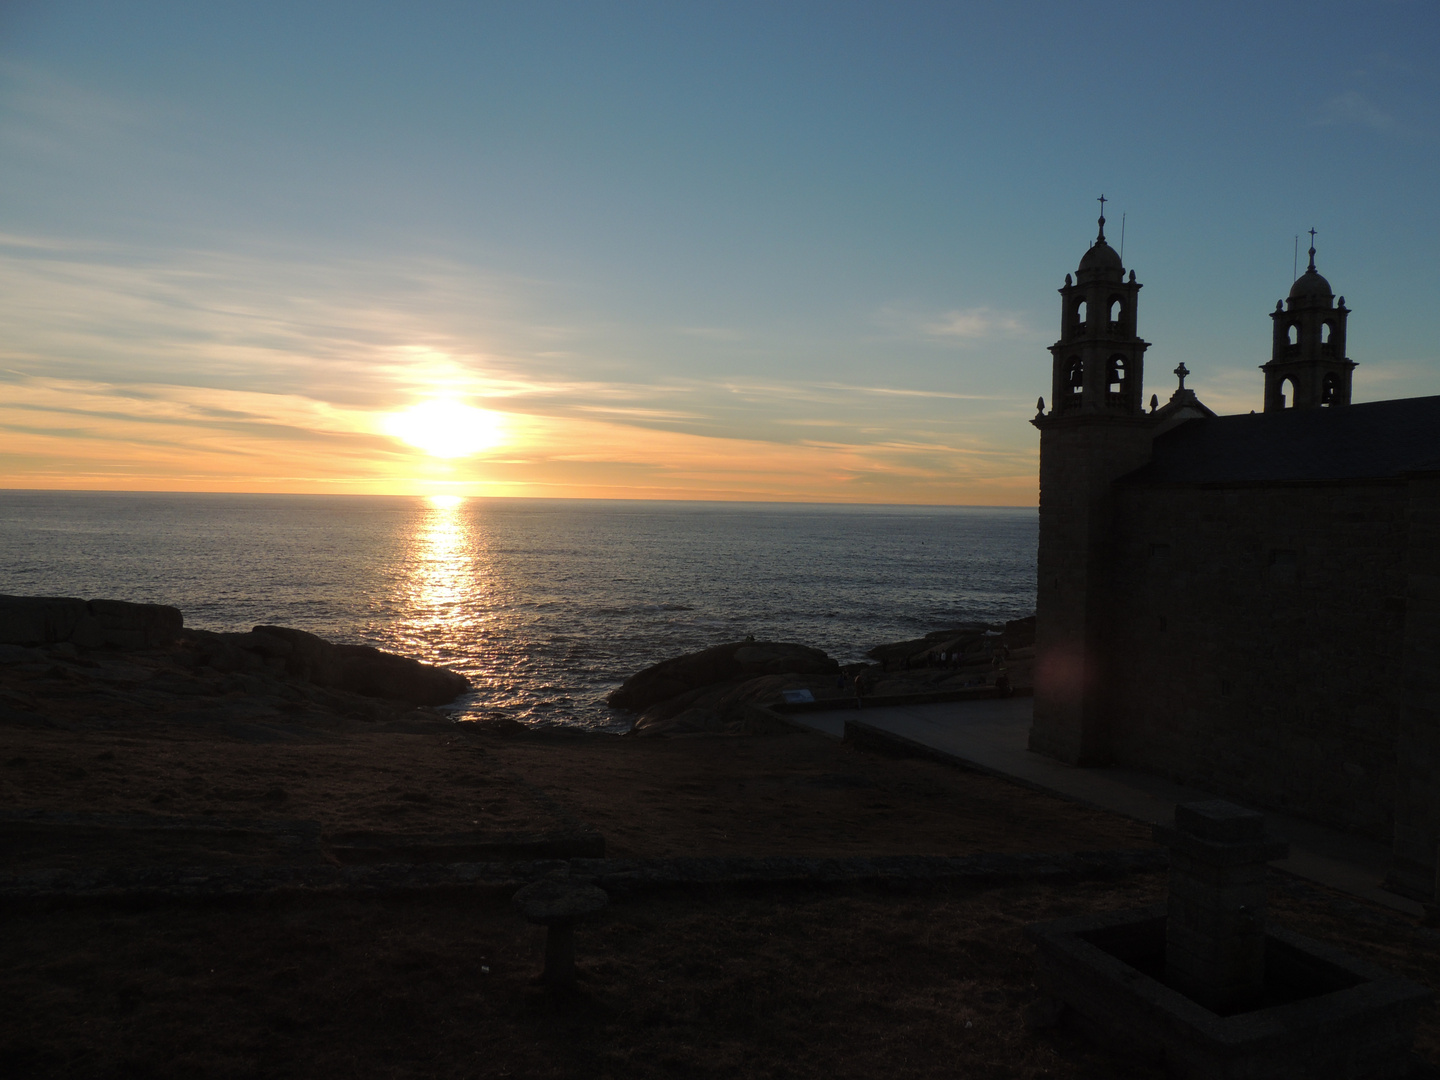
(444, 582)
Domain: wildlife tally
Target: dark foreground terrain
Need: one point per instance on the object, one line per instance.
(185, 893)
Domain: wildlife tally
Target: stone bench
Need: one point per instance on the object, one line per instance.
(557, 904)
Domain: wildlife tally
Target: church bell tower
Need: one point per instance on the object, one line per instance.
(1099, 360)
(1096, 431)
(1309, 346)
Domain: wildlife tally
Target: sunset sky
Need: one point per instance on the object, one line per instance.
(780, 251)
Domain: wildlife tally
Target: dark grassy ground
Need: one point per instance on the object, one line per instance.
(755, 982)
(758, 983)
(850, 982)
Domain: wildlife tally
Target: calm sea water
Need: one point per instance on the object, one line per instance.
(546, 604)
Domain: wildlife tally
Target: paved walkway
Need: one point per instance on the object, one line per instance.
(991, 736)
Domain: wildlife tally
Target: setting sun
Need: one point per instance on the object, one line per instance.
(446, 429)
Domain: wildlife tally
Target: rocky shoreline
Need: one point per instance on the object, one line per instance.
(712, 691)
(69, 662)
(116, 657)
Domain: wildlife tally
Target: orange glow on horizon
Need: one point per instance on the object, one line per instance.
(73, 435)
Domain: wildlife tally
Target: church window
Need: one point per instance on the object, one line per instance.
(1287, 394)
(1293, 334)
(1326, 330)
(1081, 313)
(1117, 310)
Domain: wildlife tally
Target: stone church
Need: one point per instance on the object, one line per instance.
(1249, 604)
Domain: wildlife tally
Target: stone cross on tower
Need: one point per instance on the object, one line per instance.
(1182, 371)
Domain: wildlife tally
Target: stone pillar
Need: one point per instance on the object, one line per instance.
(1215, 925)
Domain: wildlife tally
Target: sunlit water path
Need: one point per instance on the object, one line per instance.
(546, 604)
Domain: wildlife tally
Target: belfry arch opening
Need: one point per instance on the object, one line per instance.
(1330, 389)
(1082, 312)
(1292, 335)
(1117, 312)
(1287, 394)
(1074, 380)
(1115, 375)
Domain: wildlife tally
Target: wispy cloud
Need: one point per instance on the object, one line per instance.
(712, 333)
(957, 326)
(976, 324)
(895, 391)
(1354, 109)
(268, 370)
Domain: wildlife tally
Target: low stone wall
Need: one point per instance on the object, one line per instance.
(165, 884)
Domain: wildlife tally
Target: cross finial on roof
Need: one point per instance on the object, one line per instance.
(1102, 201)
(1182, 371)
(1312, 249)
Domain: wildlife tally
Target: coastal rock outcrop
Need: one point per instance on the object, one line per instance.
(362, 669)
(713, 690)
(963, 658)
(358, 669)
(87, 624)
(30, 622)
(708, 690)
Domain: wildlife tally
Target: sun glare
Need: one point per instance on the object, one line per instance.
(446, 502)
(446, 429)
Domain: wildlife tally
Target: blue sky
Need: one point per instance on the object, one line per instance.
(796, 251)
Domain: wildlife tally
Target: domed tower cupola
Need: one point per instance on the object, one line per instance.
(1308, 367)
(1098, 361)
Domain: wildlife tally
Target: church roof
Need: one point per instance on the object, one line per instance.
(1311, 284)
(1352, 442)
(1101, 256)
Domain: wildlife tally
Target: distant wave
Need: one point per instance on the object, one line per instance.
(642, 608)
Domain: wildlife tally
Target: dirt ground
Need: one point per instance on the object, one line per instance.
(742, 795)
(754, 982)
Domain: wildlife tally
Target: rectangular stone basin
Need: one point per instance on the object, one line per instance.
(1324, 1014)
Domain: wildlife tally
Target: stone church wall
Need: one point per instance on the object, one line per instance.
(1078, 463)
(1417, 794)
(1255, 643)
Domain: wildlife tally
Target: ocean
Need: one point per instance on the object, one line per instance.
(546, 604)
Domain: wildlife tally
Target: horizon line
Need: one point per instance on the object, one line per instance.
(533, 498)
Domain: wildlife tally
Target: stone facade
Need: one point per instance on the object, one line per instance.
(1417, 794)
(1250, 604)
(1257, 642)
